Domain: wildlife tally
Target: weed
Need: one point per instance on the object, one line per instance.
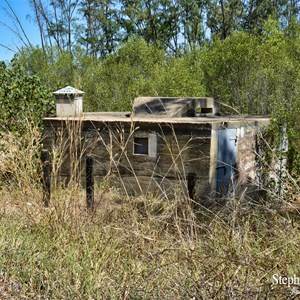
(141, 247)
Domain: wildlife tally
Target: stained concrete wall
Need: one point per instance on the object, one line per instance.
(248, 173)
(247, 159)
(68, 107)
(179, 150)
(176, 150)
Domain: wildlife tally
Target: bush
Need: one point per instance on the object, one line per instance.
(23, 98)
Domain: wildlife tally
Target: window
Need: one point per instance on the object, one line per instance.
(141, 145)
(206, 110)
(203, 110)
(145, 143)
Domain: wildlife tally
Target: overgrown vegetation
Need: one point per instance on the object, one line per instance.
(129, 249)
(23, 99)
(244, 53)
(136, 247)
(143, 247)
(254, 74)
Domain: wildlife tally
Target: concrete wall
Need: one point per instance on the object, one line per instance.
(174, 152)
(248, 174)
(247, 159)
(68, 107)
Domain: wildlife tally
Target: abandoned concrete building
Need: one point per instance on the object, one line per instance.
(158, 145)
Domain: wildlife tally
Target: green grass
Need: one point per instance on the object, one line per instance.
(130, 249)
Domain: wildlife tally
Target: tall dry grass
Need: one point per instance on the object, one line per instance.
(142, 247)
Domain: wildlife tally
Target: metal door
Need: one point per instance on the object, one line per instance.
(226, 161)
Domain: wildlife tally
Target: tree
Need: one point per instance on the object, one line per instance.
(56, 22)
(229, 67)
(22, 98)
(140, 18)
(170, 31)
(54, 67)
(192, 19)
(258, 12)
(224, 17)
(139, 69)
(102, 28)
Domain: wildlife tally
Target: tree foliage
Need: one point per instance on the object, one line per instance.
(246, 53)
(23, 98)
(100, 26)
(139, 70)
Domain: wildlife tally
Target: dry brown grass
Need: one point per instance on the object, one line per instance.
(142, 247)
(145, 248)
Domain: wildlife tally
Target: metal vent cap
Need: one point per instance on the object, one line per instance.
(68, 90)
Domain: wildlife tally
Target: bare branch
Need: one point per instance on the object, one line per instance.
(48, 26)
(39, 22)
(16, 18)
(8, 48)
(15, 32)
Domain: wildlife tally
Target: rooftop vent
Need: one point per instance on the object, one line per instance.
(68, 102)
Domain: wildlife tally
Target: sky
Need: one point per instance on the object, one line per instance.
(7, 37)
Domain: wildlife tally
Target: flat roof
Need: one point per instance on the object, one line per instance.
(127, 117)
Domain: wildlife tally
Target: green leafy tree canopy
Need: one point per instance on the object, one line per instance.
(23, 98)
